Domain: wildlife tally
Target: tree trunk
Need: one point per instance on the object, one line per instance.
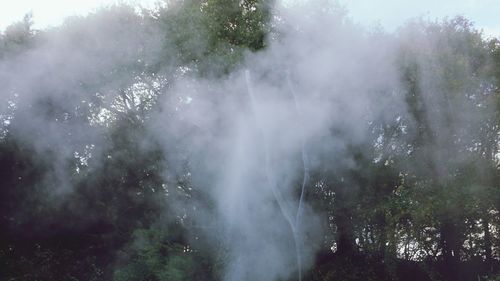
(450, 250)
(346, 245)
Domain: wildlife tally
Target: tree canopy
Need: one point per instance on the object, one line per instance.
(243, 140)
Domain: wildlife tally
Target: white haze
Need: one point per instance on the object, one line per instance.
(343, 78)
(388, 13)
(51, 13)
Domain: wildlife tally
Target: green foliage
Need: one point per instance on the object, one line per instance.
(211, 36)
(17, 37)
(419, 193)
(153, 256)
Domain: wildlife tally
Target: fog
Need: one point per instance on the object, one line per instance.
(250, 141)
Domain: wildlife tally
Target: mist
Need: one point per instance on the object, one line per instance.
(184, 152)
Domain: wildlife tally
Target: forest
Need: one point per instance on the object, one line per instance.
(248, 141)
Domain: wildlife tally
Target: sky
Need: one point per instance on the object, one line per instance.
(388, 13)
(48, 13)
(393, 13)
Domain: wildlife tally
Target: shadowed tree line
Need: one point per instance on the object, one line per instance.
(88, 192)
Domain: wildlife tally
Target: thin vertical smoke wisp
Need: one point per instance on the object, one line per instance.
(305, 179)
(305, 156)
(294, 223)
(269, 175)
